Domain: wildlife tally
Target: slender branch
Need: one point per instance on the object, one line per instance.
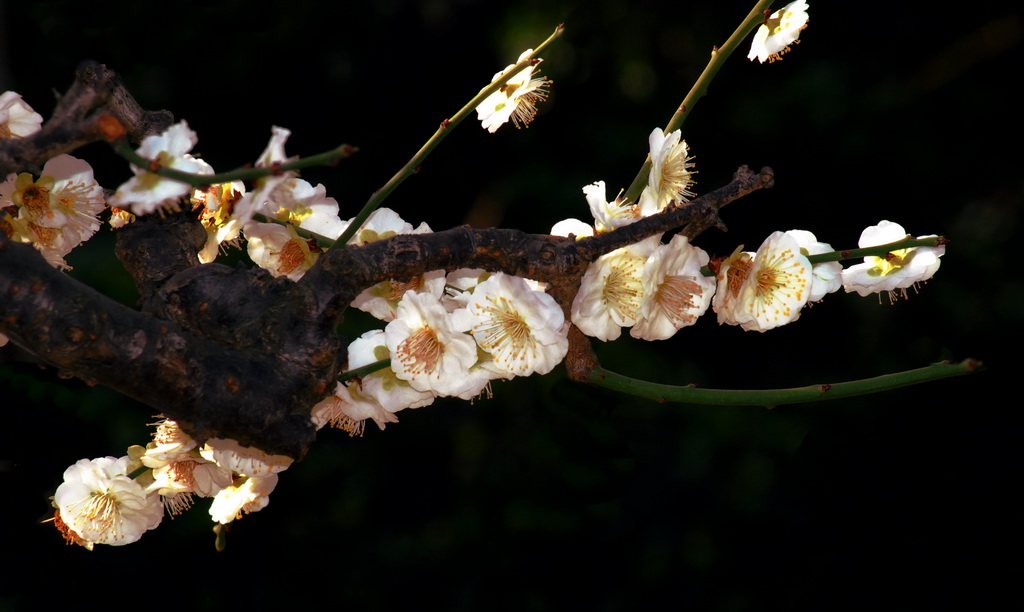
(769, 398)
(880, 250)
(369, 368)
(700, 87)
(447, 125)
(327, 158)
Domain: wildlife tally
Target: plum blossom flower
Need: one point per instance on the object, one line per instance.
(248, 494)
(612, 291)
(348, 409)
(146, 191)
(608, 215)
(766, 289)
(279, 249)
(17, 119)
(523, 330)
(675, 291)
(216, 205)
(895, 272)
(426, 349)
(572, 227)
(246, 460)
(517, 99)
(671, 175)
(392, 393)
(781, 30)
(57, 212)
(826, 276)
(100, 504)
(256, 201)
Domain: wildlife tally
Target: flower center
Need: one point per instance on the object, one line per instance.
(397, 289)
(738, 271)
(36, 198)
(624, 289)
(420, 353)
(779, 282)
(891, 263)
(675, 296)
(291, 257)
(505, 333)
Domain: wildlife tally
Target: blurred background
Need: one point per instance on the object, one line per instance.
(553, 495)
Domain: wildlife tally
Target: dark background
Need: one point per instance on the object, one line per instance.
(552, 495)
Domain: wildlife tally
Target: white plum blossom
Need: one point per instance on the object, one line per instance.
(169, 444)
(517, 99)
(348, 410)
(781, 30)
(826, 276)
(671, 175)
(216, 205)
(279, 249)
(300, 203)
(524, 330)
(675, 291)
(426, 350)
(100, 504)
(612, 291)
(763, 290)
(246, 460)
(895, 272)
(247, 494)
(572, 227)
(608, 215)
(17, 119)
(55, 213)
(392, 393)
(273, 155)
(147, 191)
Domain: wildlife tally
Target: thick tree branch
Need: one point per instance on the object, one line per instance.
(249, 365)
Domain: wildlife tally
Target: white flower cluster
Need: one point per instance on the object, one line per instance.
(114, 501)
(56, 212)
(657, 289)
(447, 334)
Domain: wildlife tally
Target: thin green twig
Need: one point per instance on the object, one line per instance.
(364, 370)
(327, 158)
(775, 397)
(700, 87)
(875, 251)
(413, 164)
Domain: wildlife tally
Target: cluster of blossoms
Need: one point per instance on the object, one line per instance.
(446, 333)
(55, 212)
(115, 501)
(657, 289)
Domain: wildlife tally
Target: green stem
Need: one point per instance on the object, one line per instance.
(875, 251)
(447, 125)
(878, 251)
(775, 397)
(364, 370)
(700, 87)
(327, 158)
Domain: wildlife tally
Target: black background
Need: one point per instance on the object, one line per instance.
(551, 495)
